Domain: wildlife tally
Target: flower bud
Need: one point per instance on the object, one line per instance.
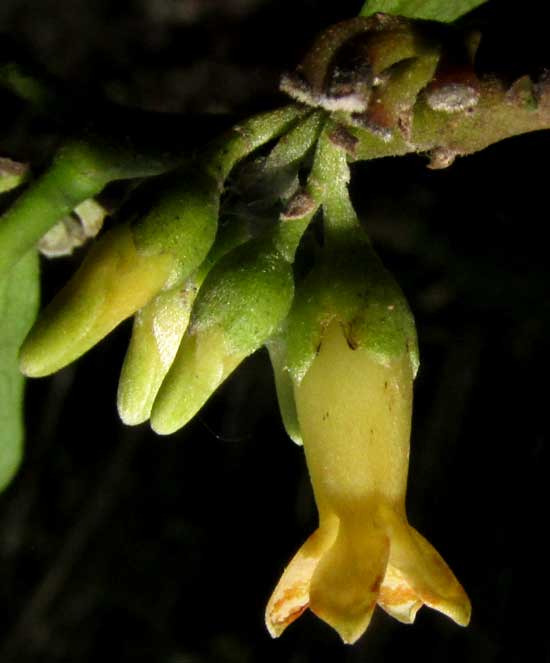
(111, 284)
(156, 335)
(158, 330)
(242, 302)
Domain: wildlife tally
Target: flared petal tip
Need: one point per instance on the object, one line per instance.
(291, 597)
(289, 600)
(273, 629)
(459, 610)
(349, 627)
(276, 621)
(397, 597)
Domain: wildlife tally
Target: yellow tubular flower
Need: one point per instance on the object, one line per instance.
(354, 412)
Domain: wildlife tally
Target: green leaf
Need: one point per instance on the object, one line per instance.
(445, 11)
(19, 295)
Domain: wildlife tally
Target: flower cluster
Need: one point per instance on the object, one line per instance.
(203, 294)
(206, 294)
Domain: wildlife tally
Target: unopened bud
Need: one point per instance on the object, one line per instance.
(242, 302)
(111, 284)
(156, 335)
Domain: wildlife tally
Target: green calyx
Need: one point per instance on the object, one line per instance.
(350, 284)
(244, 299)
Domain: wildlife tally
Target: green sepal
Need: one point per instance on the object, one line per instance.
(293, 146)
(124, 270)
(243, 139)
(350, 284)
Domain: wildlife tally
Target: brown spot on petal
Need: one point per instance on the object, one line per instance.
(290, 594)
(289, 617)
(375, 587)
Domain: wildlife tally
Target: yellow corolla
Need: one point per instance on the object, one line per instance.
(354, 411)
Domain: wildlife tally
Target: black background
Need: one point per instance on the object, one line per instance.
(115, 542)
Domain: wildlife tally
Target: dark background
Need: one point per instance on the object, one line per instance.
(115, 542)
